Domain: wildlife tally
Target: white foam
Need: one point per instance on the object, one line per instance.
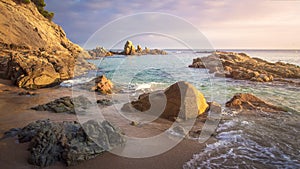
(72, 82)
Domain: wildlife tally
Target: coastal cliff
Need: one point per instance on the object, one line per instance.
(34, 51)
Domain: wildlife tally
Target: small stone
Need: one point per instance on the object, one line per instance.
(134, 123)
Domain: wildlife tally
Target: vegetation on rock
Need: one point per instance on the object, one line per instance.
(40, 4)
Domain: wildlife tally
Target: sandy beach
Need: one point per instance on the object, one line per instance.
(16, 112)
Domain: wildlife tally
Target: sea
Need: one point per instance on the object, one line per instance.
(268, 141)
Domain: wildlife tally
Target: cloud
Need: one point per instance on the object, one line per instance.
(227, 23)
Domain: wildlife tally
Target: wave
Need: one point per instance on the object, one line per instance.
(147, 86)
(76, 81)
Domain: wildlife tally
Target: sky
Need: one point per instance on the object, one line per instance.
(229, 24)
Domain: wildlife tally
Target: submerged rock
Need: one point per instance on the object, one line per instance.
(65, 105)
(247, 101)
(179, 100)
(69, 142)
(243, 67)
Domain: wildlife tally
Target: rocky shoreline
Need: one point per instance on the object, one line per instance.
(70, 142)
(240, 66)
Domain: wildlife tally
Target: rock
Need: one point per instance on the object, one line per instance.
(139, 49)
(92, 139)
(65, 105)
(134, 123)
(247, 101)
(179, 130)
(179, 100)
(103, 85)
(27, 93)
(105, 102)
(69, 142)
(215, 107)
(242, 67)
(36, 52)
(99, 52)
(129, 48)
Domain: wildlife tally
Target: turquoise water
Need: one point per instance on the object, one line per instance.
(154, 72)
(258, 141)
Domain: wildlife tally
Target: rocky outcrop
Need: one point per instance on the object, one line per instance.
(65, 105)
(35, 52)
(69, 142)
(129, 49)
(243, 67)
(180, 100)
(247, 101)
(102, 85)
(99, 52)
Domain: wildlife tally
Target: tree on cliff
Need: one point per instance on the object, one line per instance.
(40, 4)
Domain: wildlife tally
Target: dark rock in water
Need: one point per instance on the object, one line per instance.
(105, 102)
(69, 142)
(242, 67)
(65, 105)
(247, 101)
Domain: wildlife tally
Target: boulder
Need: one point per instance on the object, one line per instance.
(181, 100)
(102, 85)
(69, 142)
(65, 105)
(247, 101)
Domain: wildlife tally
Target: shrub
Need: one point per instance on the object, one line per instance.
(40, 4)
(26, 1)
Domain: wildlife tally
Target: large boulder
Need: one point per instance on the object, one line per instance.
(69, 142)
(247, 101)
(180, 100)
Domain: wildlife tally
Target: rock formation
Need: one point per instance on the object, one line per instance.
(247, 101)
(243, 67)
(69, 142)
(179, 100)
(102, 85)
(99, 52)
(65, 105)
(35, 52)
(129, 49)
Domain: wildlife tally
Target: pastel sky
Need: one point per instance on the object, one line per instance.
(232, 24)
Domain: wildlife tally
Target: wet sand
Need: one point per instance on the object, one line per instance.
(16, 112)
